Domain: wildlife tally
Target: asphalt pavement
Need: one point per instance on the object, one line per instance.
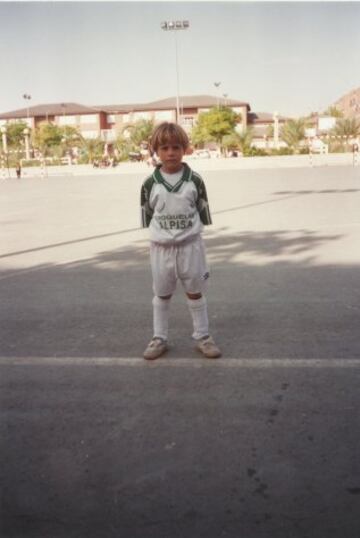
(96, 442)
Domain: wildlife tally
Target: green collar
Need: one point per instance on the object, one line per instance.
(186, 176)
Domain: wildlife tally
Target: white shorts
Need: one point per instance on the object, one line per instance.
(185, 262)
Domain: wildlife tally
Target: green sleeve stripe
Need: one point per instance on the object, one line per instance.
(202, 201)
(146, 211)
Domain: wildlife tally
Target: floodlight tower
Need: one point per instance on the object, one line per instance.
(217, 85)
(27, 98)
(176, 26)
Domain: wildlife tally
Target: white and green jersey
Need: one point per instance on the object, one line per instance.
(174, 213)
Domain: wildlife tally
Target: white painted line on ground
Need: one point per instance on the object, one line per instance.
(196, 362)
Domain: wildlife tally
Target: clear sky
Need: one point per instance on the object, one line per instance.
(285, 56)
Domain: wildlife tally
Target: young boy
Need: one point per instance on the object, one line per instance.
(174, 207)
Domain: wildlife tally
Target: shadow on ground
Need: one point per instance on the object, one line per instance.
(183, 449)
(268, 298)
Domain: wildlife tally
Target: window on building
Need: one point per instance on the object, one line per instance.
(141, 116)
(88, 118)
(66, 120)
(164, 115)
(188, 121)
(108, 135)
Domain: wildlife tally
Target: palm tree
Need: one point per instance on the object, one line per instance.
(71, 141)
(124, 145)
(244, 140)
(334, 112)
(141, 132)
(347, 128)
(293, 133)
(92, 148)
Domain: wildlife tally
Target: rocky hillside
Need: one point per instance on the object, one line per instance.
(349, 104)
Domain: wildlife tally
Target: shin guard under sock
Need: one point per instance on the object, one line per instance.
(161, 317)
(198, 310)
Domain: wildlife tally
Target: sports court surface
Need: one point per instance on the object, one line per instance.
(263, 442)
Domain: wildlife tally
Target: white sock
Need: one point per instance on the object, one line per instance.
(161, 317)
(198, 310)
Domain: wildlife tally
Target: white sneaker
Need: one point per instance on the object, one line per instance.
(208, 347)
(156, 347)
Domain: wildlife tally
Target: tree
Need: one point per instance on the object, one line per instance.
(231, 141)
(71, 138)
(15, 134)
(71, 133)
(214, 125)
(347, 128)
(47, 137)
(245, 139)
(293, 133)
(200, 134)
(91, 148)
(240, 141)
(334, 112)
(139, 131)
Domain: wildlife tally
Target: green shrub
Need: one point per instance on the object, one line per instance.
(83, 159)
(282, 151)
(38, 163)
(337, 147)
(30, 164)
(255, 152)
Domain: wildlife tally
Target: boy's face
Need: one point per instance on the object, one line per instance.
(171, 154)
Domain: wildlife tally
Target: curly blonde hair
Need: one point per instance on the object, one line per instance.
(166, 133)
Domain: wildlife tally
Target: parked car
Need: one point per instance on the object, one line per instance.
(201, 154)
(135, 156)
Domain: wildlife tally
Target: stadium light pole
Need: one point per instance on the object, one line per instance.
(217, 85)
(176, 26)
(27, 98)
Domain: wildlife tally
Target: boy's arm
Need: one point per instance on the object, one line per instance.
(146, 211)
(202, 202)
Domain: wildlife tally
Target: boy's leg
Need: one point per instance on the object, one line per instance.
(194, 272)
(204, 342)
(161, 316)
(198, 310)
(164, 283)
(158, 344)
